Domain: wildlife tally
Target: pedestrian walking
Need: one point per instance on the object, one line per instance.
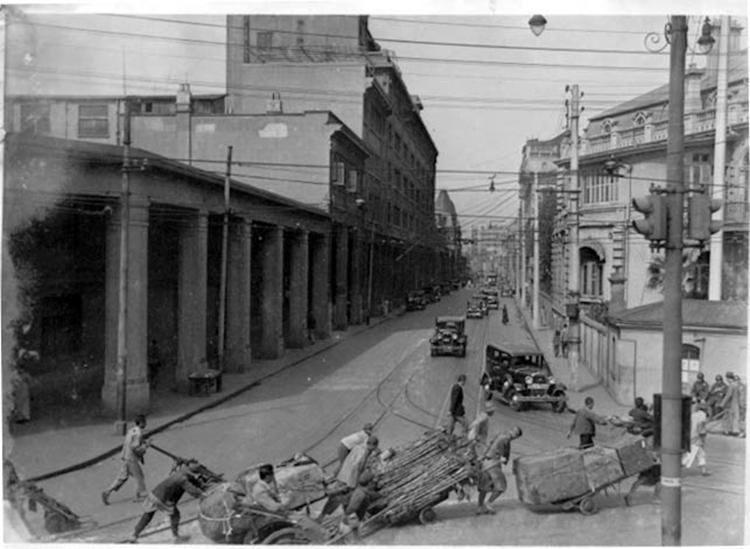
(698, 432)
(350, 441)
(730, 404)
(564, 341)
(700, 388)
(133, 450)
(715, 395)
(165, 496)
(584, 424)
(491, 478)
(457, 411)
(556, 342)
(505, 315)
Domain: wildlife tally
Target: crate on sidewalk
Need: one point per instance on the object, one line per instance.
(550, 477)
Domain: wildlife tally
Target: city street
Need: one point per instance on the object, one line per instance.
(386, 374)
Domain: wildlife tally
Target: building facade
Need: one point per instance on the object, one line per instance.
(446, 220)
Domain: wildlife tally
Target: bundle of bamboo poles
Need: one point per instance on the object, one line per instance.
(420, 475)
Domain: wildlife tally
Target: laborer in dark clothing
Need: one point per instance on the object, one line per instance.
(362, 496)
(165, 496)
(584, 424)
(556, 342)
(457, 411)
(491, 478)
(505, 314)
(641, 418)
(700, 388)
(715, 395)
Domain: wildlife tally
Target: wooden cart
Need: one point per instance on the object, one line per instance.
(570, 478)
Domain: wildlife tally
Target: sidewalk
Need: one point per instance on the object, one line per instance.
(38, 452)
(588, 384)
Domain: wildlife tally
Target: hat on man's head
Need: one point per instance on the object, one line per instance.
(729, 375)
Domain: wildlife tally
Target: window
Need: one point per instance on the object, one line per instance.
(599, 187)
(338, 173)
(352, 180)
(35, 118)
(246, 38)
(93, 121)
(591, 273)
(264, 40)
(690, 363)
(639, 119)
(699, 170)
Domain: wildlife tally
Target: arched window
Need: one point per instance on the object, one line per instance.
(639, 119)
(690, 364)
(607, 126)
(591, 273)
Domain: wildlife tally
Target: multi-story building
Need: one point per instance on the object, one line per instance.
(333, 63)
(623, 153)
(446, 220)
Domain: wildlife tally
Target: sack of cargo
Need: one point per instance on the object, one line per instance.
(220, 516)
(300, 480)
(550, 477)
(602, 467)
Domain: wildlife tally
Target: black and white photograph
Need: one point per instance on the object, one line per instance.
(432, 273)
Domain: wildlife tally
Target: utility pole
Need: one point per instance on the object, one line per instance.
(671, 421)
(573, 305)
(522, 278)
(720, 149)
(122, 293)
(535, 295)
(224, 265)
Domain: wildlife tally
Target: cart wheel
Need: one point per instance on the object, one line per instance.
(287, 536)
(587, 506)
(427, 515)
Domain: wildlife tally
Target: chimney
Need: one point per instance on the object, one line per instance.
(693, 101)
(617, 291)
(274, 105)
(183, 98)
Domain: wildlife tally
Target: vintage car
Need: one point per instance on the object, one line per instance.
(474, 308)
(432, 293)
(493, 302)
(481, 300)
(507, 291)
(449, 337)
(519, 375)
(416, 301)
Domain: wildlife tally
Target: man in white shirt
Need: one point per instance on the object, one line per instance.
(350, 441)
(133, 449)
(698, 419)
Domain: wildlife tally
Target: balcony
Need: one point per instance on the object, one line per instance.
(695, 123)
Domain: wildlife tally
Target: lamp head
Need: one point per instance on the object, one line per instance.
(360, 202)
(706, 41)
(537, 24)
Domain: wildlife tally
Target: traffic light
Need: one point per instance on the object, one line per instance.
(700, 207)
(685, 409)
(654, 207)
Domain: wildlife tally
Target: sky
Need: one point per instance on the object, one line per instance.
(486, 82)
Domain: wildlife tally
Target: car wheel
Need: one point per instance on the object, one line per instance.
(515, 404)
(560, 405)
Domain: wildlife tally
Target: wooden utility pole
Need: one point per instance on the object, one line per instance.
(224, 265)
(574, 291)
(122, 294)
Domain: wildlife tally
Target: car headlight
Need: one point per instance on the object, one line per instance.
(529, 380)
(551, 380)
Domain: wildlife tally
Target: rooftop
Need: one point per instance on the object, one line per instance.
(698, 313)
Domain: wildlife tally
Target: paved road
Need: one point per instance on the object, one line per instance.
(387, 374)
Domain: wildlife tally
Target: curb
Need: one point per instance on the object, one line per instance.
(207, 406)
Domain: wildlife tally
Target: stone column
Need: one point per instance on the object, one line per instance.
(356, 284)
(272, 309)
(298, 289)
(321, 302)
(192, 278)
(238, 353)
(137, 391)
(341, 242)
(617, 291)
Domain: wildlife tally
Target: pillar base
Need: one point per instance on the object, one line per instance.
(138, 399)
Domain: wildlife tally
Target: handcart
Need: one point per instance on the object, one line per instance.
(570, 478)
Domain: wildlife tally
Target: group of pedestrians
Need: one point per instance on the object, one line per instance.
(723, 400)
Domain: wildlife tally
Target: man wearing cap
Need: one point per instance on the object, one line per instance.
(265, 492)
(350, 441)
(716, 395)
(491, 478)
(356, 462)
(165, 496)
(584, 424)
(700, 388)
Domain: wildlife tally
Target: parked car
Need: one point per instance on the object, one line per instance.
(432, 293)
(474, 309)
(449, 337)
(519, 375)
(416, 301)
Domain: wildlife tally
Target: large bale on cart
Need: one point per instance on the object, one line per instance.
(300, 480)
(602, 467)
(221, 518)
(634, 454)
(550, 477)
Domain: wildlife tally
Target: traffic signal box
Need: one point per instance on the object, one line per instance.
(654, 208)
(684, 412)
(700, 225)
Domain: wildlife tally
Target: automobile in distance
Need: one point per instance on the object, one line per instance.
(507, 291)
(430, 294)
(481, 299)
(519, 375)
(474, 309)
(492, 302)
(449, 337)
(416, 301)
